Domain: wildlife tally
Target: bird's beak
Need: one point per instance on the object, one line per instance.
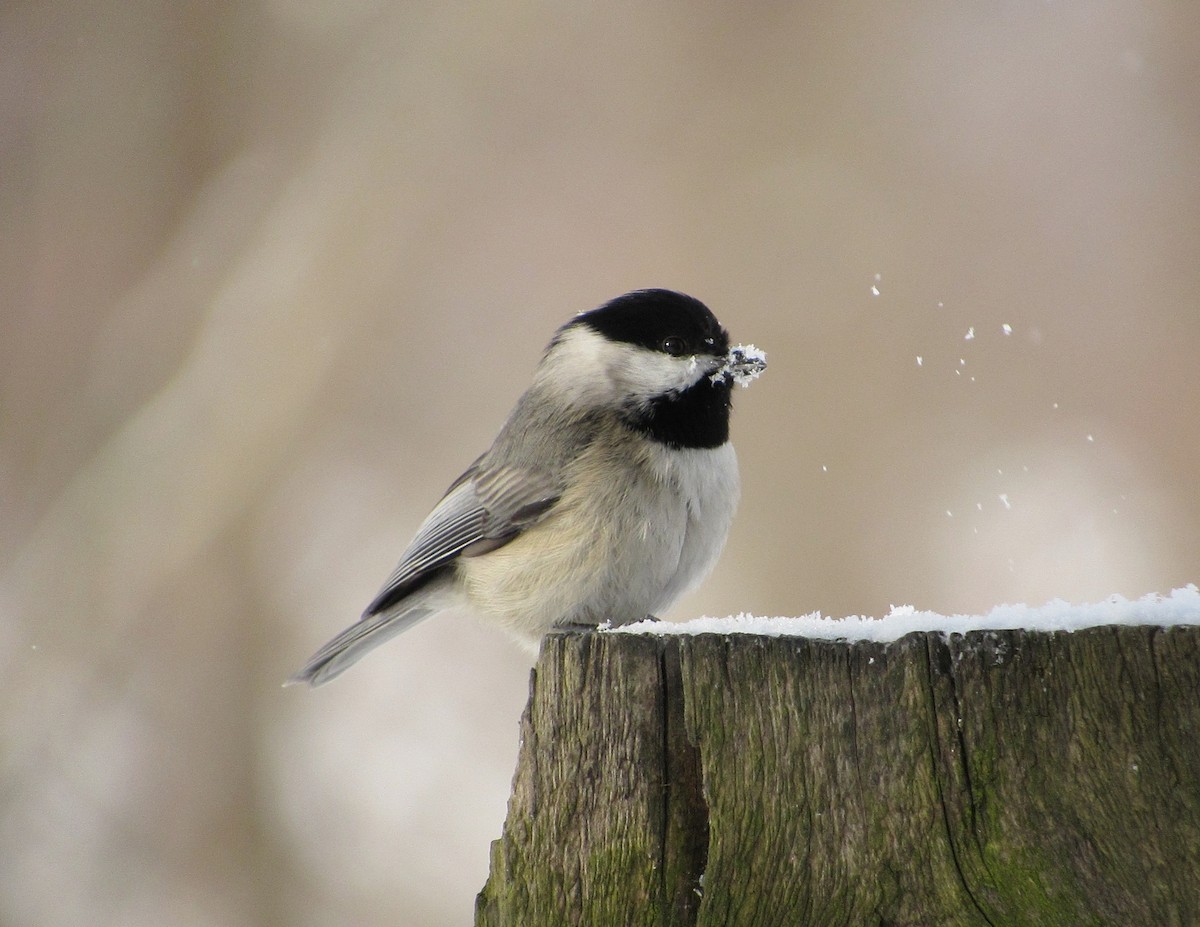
(743, 363)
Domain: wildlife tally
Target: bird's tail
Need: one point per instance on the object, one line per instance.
(353, 643)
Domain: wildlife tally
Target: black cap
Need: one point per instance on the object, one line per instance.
(661, 320)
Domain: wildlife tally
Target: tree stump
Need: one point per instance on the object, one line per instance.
(993, 778)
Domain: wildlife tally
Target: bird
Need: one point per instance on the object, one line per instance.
(607, 494)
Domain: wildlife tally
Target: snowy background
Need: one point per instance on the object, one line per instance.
(273, 273)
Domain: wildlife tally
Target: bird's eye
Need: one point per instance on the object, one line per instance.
(674, 345)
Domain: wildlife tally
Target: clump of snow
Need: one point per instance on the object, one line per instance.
(744, 363)
(1181, 607)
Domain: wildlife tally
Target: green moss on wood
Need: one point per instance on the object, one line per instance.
(1001, 778)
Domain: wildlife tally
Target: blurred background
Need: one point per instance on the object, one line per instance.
(274, 272)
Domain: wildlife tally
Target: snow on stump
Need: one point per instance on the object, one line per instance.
(993, 777)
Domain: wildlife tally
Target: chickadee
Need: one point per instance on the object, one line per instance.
(607, 494)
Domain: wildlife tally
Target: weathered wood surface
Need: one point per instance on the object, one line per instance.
(1001, 778)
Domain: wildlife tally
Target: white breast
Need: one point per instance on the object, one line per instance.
(707, 485)
(639, 525)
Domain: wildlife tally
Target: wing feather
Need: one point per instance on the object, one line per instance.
(483, 510)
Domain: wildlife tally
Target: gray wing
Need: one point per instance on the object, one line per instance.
(483, 510)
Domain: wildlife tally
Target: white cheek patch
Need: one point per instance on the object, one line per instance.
(649, 374)
(576, 367)
(589, 369)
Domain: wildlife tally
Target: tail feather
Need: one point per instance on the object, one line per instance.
(356, 641)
